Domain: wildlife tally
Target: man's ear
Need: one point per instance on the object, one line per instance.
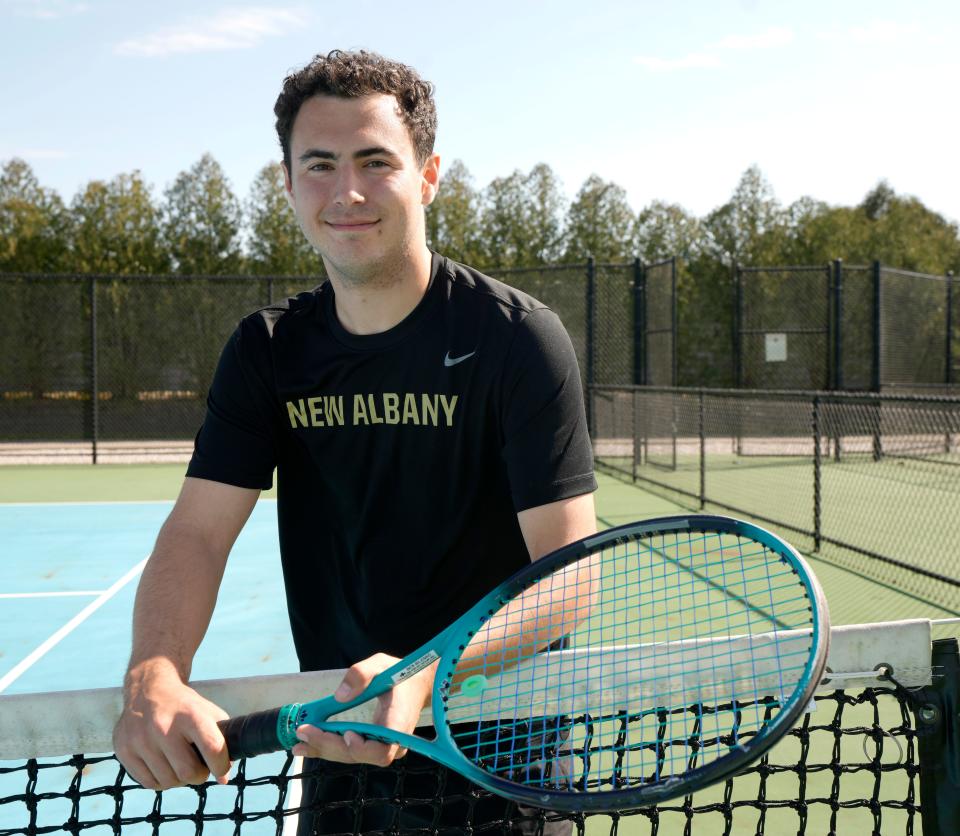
(430, 183)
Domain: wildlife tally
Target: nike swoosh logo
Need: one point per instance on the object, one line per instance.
(452, 361)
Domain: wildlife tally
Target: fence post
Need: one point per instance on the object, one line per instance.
(701, 429)
(94, 374)
(876, 369)
(673, 321)
(838, 323)
(876, 364)
(639, 323)
(737, 326)
(816, 473)
(950, 326)
(590, 303)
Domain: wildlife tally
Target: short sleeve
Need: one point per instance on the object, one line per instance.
(236, 443)
(546, 445)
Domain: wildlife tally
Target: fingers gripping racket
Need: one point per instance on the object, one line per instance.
(639, 664)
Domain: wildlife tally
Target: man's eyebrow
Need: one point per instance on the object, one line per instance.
(321, 154)
(376, 151)
(317, 154)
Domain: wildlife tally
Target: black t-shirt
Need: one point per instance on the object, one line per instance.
(402, 457)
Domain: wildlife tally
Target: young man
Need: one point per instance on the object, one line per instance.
(426, 424)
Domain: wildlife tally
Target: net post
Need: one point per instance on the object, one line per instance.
(269, 290)
(634, 397)
(817, 466)
(938, 732)
(94, 374)
(590, 313)
(639, 323)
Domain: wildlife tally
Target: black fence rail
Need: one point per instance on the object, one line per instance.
(870, 479)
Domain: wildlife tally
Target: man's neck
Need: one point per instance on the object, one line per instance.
(374, 304)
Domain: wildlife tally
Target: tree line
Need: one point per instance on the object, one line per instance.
(198, 225)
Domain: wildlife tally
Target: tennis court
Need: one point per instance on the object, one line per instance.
(75, 537)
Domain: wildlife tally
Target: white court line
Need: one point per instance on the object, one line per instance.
(76, 593)
(21, 667)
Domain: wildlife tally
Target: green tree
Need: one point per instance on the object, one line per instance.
(503, 227)
(749, 227)
(116, 228)
(277, 245)
(667, 229)
(600, 223)
(34, 225)
(544, 214)
(453, 219)
(202, 221)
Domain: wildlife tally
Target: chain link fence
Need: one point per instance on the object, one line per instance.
(114, 368)
(844, 327)
(870, 480)
(110, 363)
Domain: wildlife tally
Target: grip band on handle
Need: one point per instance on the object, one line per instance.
(262, 732)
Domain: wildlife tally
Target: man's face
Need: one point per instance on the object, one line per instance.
(355, 184)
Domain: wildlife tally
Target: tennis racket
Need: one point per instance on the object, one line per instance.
(633, 666)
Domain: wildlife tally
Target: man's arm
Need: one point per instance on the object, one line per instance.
(545, 529)
(162, 716)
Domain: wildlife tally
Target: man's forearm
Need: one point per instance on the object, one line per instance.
(174, 603)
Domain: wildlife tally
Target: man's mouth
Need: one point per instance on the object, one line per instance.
(353, 225)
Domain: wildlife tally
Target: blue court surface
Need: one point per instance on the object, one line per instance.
(68, 578)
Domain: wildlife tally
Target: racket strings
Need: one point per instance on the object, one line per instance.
(679, 647)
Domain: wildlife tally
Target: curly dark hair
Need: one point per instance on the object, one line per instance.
(351, 75)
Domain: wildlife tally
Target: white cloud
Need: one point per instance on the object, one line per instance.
(693, 61)
(768, 39)
(47, 9)
(235, 28)
(39, 154)
(875, 32)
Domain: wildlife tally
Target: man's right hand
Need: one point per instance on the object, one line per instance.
(162, 721)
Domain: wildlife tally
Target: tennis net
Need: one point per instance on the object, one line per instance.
(875, 753)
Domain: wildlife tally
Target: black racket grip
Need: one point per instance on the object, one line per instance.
(251, 734)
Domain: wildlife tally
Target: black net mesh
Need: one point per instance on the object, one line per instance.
(851, 765)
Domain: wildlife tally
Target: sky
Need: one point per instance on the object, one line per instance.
(671, 100)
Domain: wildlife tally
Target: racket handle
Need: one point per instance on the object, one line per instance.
(252, 734)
